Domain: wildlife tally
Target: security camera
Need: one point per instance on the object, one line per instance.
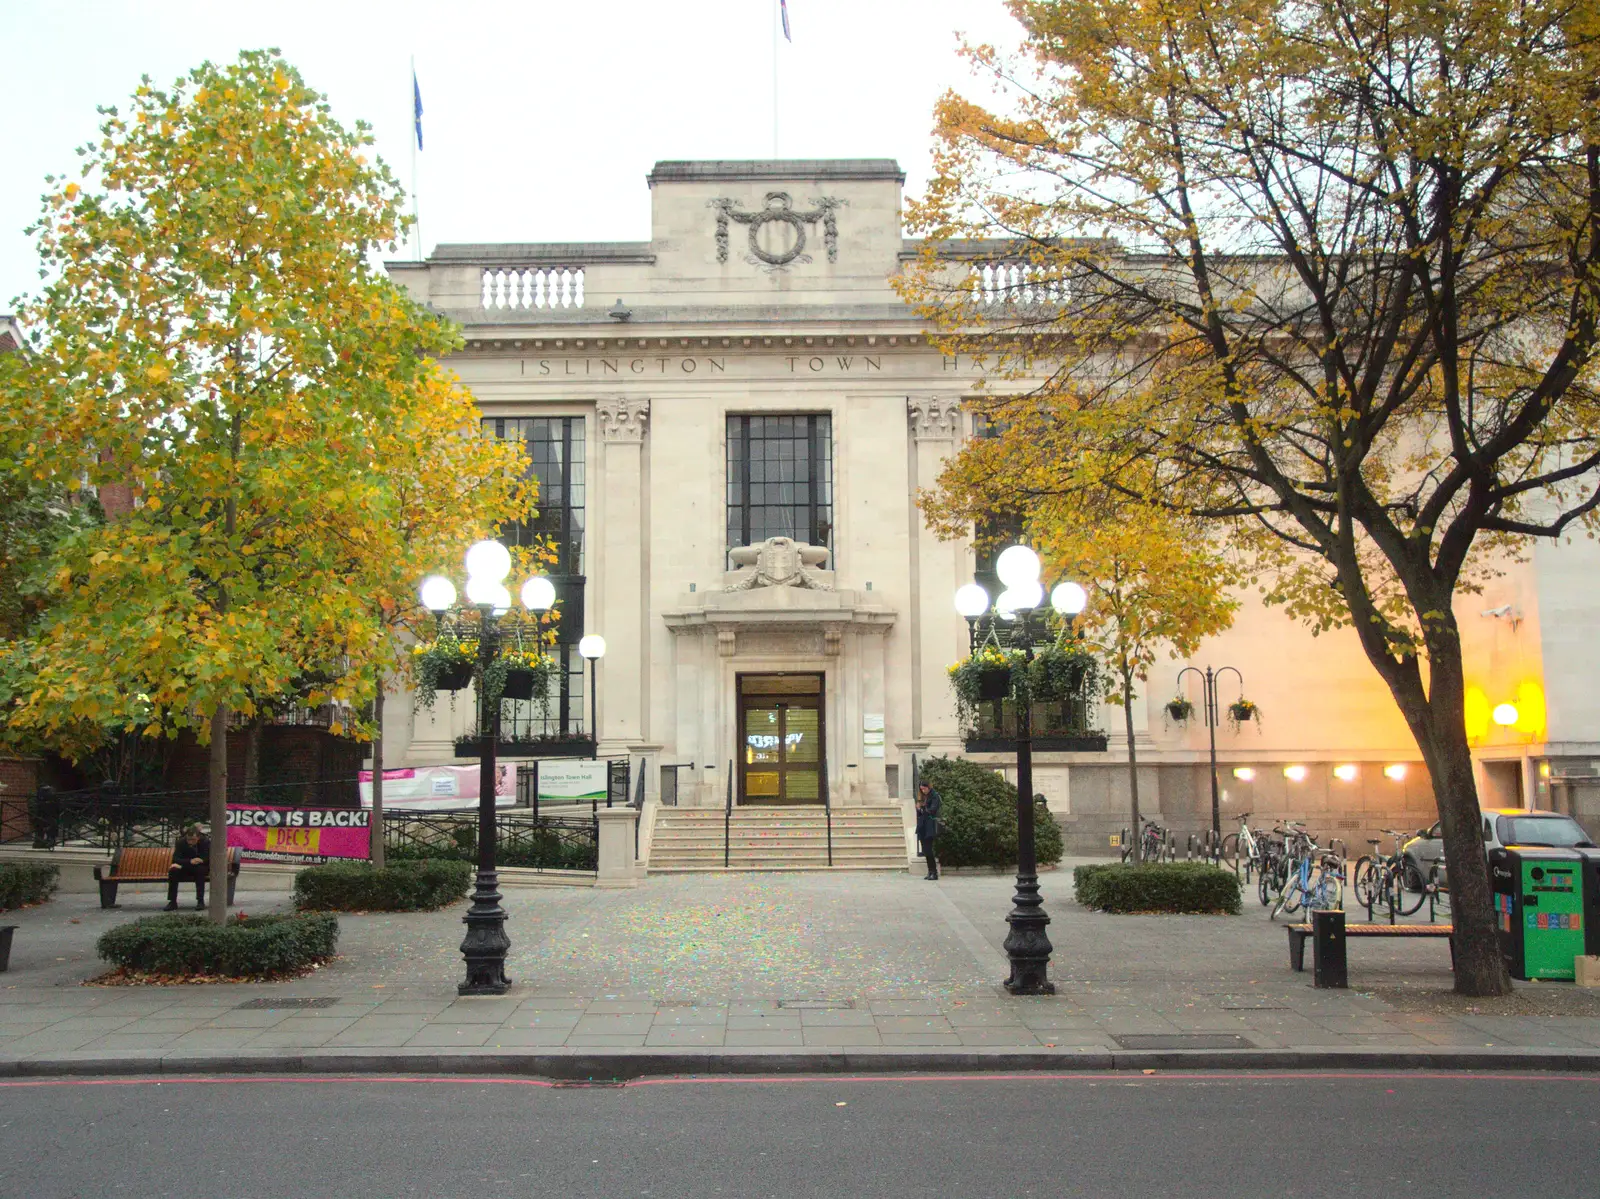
(1502, 610)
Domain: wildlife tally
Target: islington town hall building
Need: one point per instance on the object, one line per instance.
(730, 423)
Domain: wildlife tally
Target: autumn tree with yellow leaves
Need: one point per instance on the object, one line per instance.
(1324, 276)
(1154, 586)
(212, 331)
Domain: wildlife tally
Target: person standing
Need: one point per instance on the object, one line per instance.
(191, 859)
(929, 804)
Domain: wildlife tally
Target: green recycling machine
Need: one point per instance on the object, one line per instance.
(1539, 909)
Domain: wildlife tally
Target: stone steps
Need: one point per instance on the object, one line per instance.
(771, 838)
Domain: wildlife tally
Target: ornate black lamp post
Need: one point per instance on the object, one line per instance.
(488, 563)
(1213, 713)
(1019, 621)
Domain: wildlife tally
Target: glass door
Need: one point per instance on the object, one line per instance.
(781, 730)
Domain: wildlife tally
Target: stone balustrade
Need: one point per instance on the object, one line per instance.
(1016, 283)
(533, 287)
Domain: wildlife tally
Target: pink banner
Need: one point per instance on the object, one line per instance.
(438, 788)
(303, 835)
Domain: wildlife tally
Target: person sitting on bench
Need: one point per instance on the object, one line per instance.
(191, 859)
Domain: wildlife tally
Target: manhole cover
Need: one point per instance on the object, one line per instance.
(270, 1005)
(816, 1004)
(1252, 1005)
(1198, 1040)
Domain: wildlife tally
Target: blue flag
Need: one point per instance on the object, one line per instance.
(783, 11)
(416, 98)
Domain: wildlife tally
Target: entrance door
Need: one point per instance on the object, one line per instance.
(781, 733)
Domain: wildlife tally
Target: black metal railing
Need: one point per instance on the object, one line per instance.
(727, 818)
(522, 841)
(827, 810)
(97, 818)
(638, 807)
(670, 782)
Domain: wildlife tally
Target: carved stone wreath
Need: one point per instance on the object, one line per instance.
(779, 206)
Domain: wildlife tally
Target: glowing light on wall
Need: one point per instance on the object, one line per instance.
(1395, 771)
(1506, 715)
(1530, 708)
(1295, 774)
(1475, 713)
(1347, 773)
(1244, 773)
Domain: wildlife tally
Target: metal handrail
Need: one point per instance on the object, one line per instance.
(827, 808)
(727, 817)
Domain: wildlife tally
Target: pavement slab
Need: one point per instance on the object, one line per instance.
(772, 971)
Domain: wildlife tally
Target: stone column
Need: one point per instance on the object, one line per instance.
(618, 611)
(939, 636)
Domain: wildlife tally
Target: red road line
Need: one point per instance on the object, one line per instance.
(575, 1084)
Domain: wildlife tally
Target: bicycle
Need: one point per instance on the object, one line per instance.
(1242, 848)
(1156, 844)
(1380, 878)
(1315, 878)
(1272, 864)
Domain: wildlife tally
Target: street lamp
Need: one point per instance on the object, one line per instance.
(1018, 619)
(488, 563)
(1213, 714)
(593, 648)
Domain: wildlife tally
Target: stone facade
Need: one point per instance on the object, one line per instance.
(764, 290)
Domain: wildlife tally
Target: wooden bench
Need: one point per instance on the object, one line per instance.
(143, 865)
(1328, 933)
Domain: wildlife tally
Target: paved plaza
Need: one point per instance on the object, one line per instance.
(783, 969)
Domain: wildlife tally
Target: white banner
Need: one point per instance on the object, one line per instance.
(572, 780)
(439, 788)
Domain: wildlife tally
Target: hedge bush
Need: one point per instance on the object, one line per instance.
(22, 883)
(1158, 887)
(533, 851)
(978, 818)
(403, 886)
(244, 947)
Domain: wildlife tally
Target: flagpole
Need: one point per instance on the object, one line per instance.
(416, 209)
(775, 80)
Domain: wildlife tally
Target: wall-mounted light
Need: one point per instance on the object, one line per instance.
(1295, 774)
(1395, 771)
(1505, 715)
(1544, 770)
(1348, 772)
(1244, 774)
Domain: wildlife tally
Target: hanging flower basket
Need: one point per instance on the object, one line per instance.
(519, 684)
(994, 682)
(443, 665)
(1060, 672)
(522, 674)
(1179, 710)
(1242, 710)
(986, 676)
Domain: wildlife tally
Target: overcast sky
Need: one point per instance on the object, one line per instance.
(542, 117)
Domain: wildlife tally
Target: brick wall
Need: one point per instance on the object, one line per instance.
(19, 778)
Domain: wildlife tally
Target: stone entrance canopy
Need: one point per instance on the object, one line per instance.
(779, 613)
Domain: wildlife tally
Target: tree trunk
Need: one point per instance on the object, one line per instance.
(1133, 761)
(252, 756)
(1442, 736)
(218, 906)
(375, 832)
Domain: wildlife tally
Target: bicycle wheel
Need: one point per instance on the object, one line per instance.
(1366, 883)
(1264, 888)
(1229, 851)
(1407, 903)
